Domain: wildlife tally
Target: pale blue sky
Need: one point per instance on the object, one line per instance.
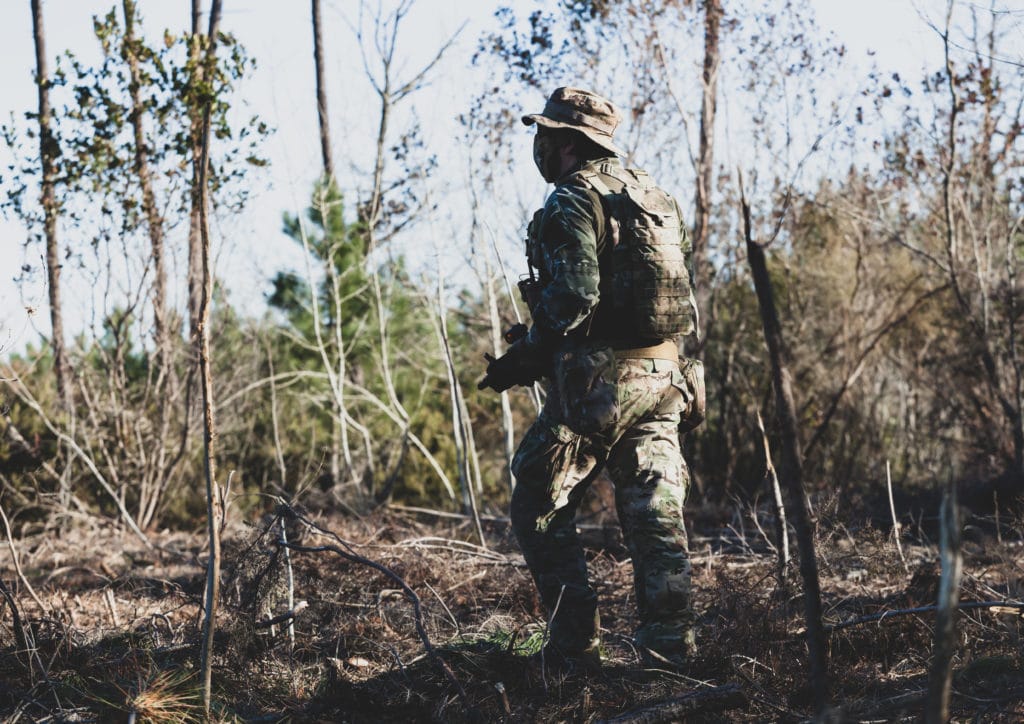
(278, 35)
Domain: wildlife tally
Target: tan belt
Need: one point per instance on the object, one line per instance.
(665, 350)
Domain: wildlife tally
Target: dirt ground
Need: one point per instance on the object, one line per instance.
(115, 629)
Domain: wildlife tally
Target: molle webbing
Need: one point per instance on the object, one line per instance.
(650, 290)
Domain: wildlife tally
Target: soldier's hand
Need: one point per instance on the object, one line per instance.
(502, 372)
(509, 370)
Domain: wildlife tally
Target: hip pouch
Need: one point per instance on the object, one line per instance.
(693, 374)
(585, 378)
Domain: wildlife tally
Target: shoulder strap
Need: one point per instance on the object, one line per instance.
(643, 179)
(599, 180)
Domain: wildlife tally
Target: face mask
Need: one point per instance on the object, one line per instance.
(546, 156)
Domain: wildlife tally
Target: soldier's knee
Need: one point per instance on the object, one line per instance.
(666, 589)
(523, 512)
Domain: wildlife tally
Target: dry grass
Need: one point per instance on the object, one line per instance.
(357, 657)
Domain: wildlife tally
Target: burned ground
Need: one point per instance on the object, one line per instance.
(119, 629)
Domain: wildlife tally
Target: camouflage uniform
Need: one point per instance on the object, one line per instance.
(554, 465)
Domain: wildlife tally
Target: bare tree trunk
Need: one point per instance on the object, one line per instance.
(195, 262)
(151, 488)
(214, 505)
(781, 525)
(465, 451)
(940, 678)
(792, 470)
(154, 221)
(507, 424)
(48, 153)
(373, 210)
(705, 160)
(321, 94)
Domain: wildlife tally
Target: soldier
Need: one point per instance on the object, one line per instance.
(610, 298)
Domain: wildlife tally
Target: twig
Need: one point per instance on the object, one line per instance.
(445, 513)
(966, 606)
(17, 562)
(409, 593)
(895, 522)
(453, 546)
(781, 526)
(995, 504)
(291, 581)
(288, 616)
(444, 605)
(544, 639)
(226, 501)
(19, 631)
(108, 596)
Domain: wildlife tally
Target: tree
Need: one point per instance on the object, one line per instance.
(214, 504)
(121, 181)
(321, 94)
(49, 151)
(705, 168)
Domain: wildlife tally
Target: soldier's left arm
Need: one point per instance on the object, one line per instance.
(571, 225)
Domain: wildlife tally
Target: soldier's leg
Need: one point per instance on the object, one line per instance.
(553, 467)
(651, 482)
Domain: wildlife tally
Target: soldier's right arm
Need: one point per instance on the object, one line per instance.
(569, 231)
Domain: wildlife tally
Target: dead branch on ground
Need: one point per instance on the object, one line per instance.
(350, 555)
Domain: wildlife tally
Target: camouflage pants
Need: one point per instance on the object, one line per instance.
(554, 466)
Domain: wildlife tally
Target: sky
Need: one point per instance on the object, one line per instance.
(278, 35)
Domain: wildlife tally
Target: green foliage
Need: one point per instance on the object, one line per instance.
(342, 299)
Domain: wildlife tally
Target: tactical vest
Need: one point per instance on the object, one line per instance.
(651, 297)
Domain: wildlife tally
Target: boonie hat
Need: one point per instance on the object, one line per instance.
(590, 114)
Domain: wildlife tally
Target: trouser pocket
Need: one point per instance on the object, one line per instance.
(586, 387)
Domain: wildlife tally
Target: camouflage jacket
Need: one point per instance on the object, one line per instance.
(567, 244)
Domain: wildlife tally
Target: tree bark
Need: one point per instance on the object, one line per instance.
(705, 161)
(154, 222)
(195, 263)
(214, 505)
(162, 331)
(48, 153)
(321, 94)
(791, 464)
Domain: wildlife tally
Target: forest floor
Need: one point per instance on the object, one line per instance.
(115, 628)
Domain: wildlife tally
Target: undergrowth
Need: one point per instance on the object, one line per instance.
(353, 653)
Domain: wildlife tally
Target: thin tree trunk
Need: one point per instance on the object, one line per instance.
(792, 471)
(152, 486)
(321, 94)
(464, 448)
(195, 261)
(705, 160)
(373, 210)
(339, 434)
(781, 525)
(154, 221)
(496, 342)
(940, 679)
(214, 506)
(48, 153)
